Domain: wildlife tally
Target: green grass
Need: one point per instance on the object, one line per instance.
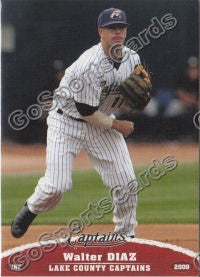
(172, 199)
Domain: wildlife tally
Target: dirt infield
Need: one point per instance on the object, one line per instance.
(31, 158)
(184, 235)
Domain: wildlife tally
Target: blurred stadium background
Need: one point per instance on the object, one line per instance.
(40, 38)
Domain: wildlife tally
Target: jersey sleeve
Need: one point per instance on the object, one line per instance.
(136, 59)
(85, 109)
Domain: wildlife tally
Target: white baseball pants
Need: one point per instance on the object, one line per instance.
(110, 157)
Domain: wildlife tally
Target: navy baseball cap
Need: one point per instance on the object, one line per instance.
(112, 16)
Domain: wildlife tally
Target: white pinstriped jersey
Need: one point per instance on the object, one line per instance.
(92, 79)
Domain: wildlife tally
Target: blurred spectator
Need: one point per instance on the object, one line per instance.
(159, 102)
(152, 109)
(59, 72)
(187, 91)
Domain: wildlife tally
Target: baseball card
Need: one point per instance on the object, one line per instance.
(100, 130)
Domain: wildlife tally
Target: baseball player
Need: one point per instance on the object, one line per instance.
(82, 119)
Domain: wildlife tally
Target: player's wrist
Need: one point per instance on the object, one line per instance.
(99, 119)
(115, 123)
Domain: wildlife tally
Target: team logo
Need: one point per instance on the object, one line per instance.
(110, 239)
(116, 14)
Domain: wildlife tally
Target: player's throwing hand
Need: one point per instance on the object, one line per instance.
(123, 126)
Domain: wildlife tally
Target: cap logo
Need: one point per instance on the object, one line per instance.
(116, 14)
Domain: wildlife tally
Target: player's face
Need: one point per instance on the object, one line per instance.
(114, 34)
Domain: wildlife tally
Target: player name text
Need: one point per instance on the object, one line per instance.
(131, 256)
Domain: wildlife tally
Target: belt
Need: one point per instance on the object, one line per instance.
(76, 119)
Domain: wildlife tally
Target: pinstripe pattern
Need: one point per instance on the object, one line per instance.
(66, 138)
(115, 167)
(90, 61)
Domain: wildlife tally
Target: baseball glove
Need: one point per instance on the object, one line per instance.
(136, 88)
